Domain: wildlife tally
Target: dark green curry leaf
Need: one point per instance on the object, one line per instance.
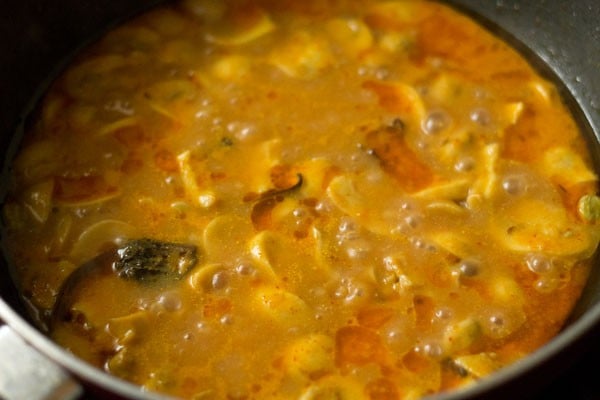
(145, 259)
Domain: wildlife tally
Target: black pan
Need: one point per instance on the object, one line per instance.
(561, 38)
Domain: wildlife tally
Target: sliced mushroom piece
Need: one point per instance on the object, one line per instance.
(349, 194)
(172, 98)
(461, 335)
(310, 355)
(535, 225)
(454, 243)
(201, 278)
(37, 161)
(566, 167)
(128, 328)
(486, 184)
(456, 190)
(118, 124)
(231, 68)
(392, 15)
(82, 80)
(225, 237)
(38, 200)
(343, 193)
(270, 251)
(302, 56)
(99, 236)
(281, 306)
(317, 173)
(242, 25)
(352, 35)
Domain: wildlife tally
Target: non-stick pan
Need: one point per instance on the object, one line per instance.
(561, 38)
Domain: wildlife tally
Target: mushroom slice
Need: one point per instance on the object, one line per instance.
(510, 113)
(347, 192)
(343, 193)
(309, 356)
(225, 237)
(454, 243)
(566, 167)
(38, 200)
(243, 25)
(281, 306)
(98, 237)
(201, 278)
(39, 160)
(540, 226)
(456, 190)
(322, 250)
(82, 81)
(172, 98)
(302, 56)
(128, 328)
(188, 176)
(118, 124)
(392, 15)
(352, 35)
(486, 185)
(272, 251)
(461, 335)
(231, 68)
(317, 173)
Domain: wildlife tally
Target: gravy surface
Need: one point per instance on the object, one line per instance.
(301, 200)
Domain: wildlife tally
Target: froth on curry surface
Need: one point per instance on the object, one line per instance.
(302, 200)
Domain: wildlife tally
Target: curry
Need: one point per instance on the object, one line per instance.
(301, 200)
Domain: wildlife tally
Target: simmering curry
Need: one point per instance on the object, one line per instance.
(301, 200)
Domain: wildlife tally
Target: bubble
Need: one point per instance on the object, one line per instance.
(358, 248)
(245, 269)
(169, 301)
(433, 350)
(513, 185)
(465, 164)
(220, 280)
(480, 116)
(435, 122)
(501, 323)
(412, 221)
(299, 212)
(469, 268)
(443, 313)
(546, 285)
(538, 263)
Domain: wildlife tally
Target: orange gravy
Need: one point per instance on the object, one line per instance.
(303, 200)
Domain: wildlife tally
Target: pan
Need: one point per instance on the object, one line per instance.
(561, 39)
